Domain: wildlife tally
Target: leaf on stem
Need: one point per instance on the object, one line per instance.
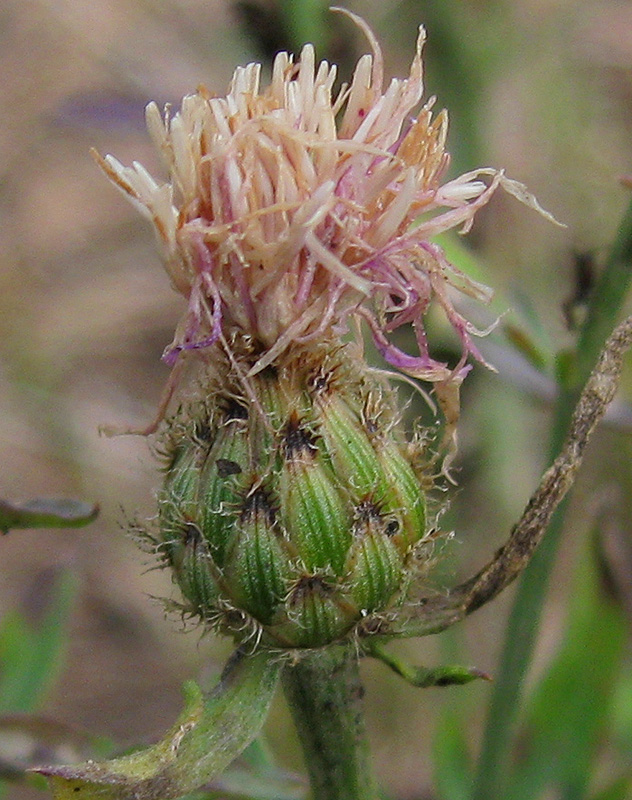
(46, 513)
(422, 677)
(210, 733)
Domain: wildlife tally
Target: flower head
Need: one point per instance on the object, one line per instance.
(291, 209)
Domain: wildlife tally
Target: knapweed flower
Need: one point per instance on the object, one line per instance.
(292, 511)
(293, 505)
(290, 210)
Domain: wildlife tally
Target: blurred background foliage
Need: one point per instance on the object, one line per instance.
(542, 88)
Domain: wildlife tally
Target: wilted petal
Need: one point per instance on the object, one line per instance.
(289, 211)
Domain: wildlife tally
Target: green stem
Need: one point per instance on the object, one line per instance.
(324, 693)
(305, 21)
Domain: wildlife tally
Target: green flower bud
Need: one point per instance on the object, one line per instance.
(374, 564)
(315, 511)
(223, 478)
(292, 504)
(192, 566)
(314, 614)
(257, 565)
(403, 495)
(349, 446)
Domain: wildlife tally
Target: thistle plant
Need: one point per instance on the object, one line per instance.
(296, 512)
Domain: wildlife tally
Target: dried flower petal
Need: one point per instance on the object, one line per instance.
(290, 210)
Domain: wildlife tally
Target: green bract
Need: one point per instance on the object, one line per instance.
(292, 507)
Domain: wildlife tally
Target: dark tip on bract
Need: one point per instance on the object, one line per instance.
(235, 410)
(258, 503)
(297, 439)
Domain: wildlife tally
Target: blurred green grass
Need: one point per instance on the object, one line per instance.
(540, 88)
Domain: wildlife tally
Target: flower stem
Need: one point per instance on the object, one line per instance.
(324, 693)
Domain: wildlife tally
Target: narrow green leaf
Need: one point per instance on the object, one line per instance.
(210, 733)
(30, 657)
(306, 21)
(16, 640)
(620, 789)
(570, 705)
(622, 713)
(46, 513)
(608, 295)
(451, 761)
(524, 619)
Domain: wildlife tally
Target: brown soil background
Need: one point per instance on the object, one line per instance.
(86, 310)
